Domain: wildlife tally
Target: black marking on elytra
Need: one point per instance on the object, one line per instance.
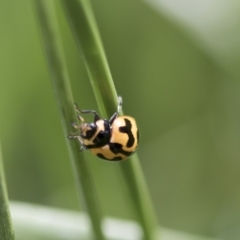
(101, 156)
(102, 138)
(127, 129)
(114, 159)
(117, 148)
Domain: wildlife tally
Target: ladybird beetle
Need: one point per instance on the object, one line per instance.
(113, 140)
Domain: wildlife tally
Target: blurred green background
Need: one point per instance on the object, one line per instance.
(176, 65)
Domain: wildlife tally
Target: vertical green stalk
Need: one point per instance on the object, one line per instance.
(6, 231)
(88, 39)
(45, 10)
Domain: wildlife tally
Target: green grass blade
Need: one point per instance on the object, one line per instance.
(134, 178)
(45, 10)
(88, 39)
(6, 230)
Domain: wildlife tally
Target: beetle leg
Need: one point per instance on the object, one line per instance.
(72, 136)
(119, 108)
(96, 116)
(74, 125)
(120, 101)
(83, 147)
(80, 118)
(113, 117)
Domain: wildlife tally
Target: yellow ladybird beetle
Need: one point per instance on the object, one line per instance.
(113, 140)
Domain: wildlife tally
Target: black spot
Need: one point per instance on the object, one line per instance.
(101, 156)
(127, 129)
(103, 137)
(117, 148)
(114, 159)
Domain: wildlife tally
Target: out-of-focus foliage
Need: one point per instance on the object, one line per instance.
(180, 81)
(31, 222)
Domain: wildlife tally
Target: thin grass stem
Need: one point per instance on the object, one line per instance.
(86, 33)
(55, 58)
